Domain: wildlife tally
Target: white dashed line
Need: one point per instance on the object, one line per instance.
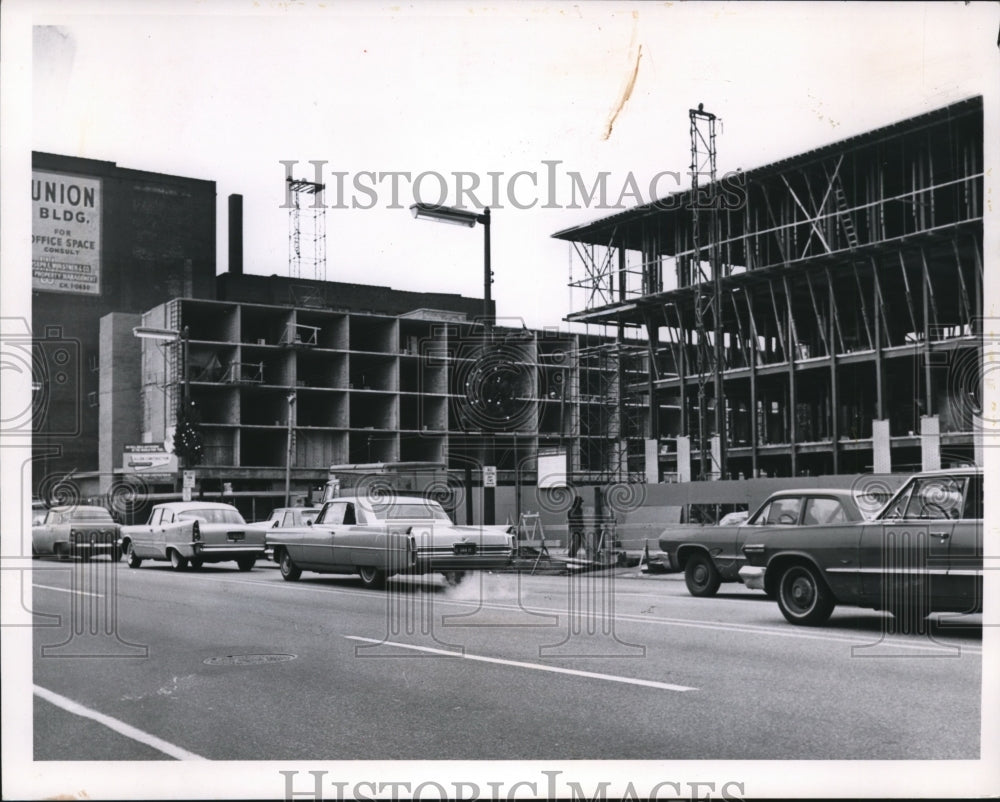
(646, 683)
(67, 590)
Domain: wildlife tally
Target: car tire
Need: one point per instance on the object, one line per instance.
(196, 563)
(372, 577)
(803, 597)
(177, 562)
(246, 563)
(453, 578)
(701, 576)
(290, 572)
(130, 556)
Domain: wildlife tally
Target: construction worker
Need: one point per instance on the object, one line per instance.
(574, 520)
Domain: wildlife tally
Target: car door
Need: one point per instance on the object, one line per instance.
(965, 550)
(318, 547)
(904, 555)
(143, 537)
(44, 536)
(165, 533)
(830, 537)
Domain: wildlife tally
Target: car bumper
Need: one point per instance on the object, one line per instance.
(208, 551)
(86, 547)
(752, 576)
(460, 562)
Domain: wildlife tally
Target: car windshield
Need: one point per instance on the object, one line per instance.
(410, 510)
(929, 497)
(212, 516)
(90, 514)
(309, 516)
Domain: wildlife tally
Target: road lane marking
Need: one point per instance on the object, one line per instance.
(746, 629)
(114, 724)
(67, 590)
(646, 683)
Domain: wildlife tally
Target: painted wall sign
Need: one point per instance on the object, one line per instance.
(148, 458)
(65, 233)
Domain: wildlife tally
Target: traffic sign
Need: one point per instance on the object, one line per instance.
(489, 476)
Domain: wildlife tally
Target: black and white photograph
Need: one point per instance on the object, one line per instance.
(499, 401)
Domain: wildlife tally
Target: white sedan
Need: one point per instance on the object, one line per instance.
(193, 533)
(379, 538)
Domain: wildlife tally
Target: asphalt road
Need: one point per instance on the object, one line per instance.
(225, 665)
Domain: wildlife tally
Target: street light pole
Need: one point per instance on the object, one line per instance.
(465, 217)
(484, 218)
(185, 338)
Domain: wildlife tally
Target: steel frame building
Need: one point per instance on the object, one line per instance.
(848, 306)
(285, 386)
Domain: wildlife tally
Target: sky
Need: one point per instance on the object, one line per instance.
(228, 91)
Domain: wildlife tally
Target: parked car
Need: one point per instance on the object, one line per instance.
(288, 518)
(80, 531)
(711, 555)
(381, 538)
(193, 533)
(922, 552)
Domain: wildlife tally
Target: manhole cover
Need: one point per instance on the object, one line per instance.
(248, 659)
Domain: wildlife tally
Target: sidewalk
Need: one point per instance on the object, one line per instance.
(556, 560)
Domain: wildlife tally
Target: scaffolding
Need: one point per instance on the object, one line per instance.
(306, 262)
(820, 295)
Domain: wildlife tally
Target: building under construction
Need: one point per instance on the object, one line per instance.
(818, 315)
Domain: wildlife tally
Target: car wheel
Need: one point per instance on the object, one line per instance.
(289, 570)
(177, 562)
(700, 576)
(246, 563)
(803, 597)
(130, 556)
(372, 577)
(453, 578)
(196, 563)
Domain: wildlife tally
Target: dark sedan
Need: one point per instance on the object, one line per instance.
(710, 555)
(922, 552)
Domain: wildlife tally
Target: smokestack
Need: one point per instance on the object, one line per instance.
(236, 234)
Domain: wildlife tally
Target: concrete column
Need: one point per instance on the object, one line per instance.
(881, 447)
(683, 459)
(930, 443)
(119, 392)
(653, 461)
(716, 448)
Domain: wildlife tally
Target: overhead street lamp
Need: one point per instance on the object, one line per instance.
(170, 336)
(465, 217)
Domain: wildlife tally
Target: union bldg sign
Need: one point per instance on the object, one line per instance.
(65, 233)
